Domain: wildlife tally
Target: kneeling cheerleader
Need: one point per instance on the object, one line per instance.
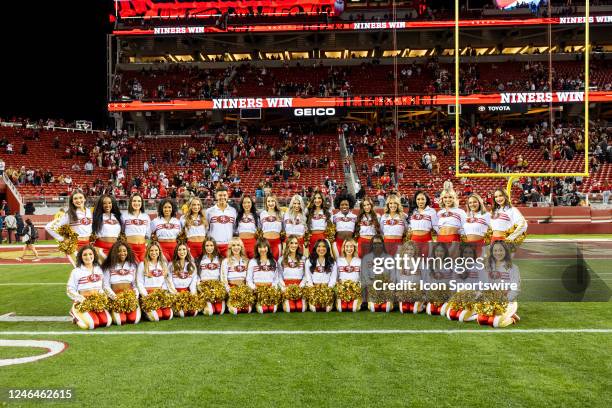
(348, 289)
(262, 278)
(438, 277)
(120, 284)
(233, 276)
(498, 308)
(212, 290)
(411, 300)
(379, 298)
(185, 280)
(291, 277)
(85, 288)
(155, 285)
(461, 305)
(321, 275)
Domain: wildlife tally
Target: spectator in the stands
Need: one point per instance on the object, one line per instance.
(88, 167)
(10, 223)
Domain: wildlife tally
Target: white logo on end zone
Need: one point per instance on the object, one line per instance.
(314, 111)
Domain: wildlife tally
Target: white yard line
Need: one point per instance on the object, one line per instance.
(299, 332)
(32, 283)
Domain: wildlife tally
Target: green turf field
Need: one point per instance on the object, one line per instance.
(558, 355)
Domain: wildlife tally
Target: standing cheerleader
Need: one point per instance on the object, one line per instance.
(261, 277)
(499, 268)
(318, 219)
(194, 224)
(120, 276)
(349, 277)
(86, 281)
(77, 221)
(344, 220)
(477, 223)
(247, 224)
(451, 218)
(294, 220)
(438, 273)
(291, 274)
(210, 273)
(423, 220)
(271, 220)
(321, 275)
(507, 222)
(107, 224)
(185, 279)
(233, 276)
(366, 226)
(410, 271)
(221, 218)
(136, 226)
(393, 224)
(166, 227)
(154, 280)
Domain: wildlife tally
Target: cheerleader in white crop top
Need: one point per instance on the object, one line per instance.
(320, 268)
(318, 218)
(271, 221)
(477, 223)
(185, 279)
(507, 222)
(153, 275)
(393, 224)
(166, 227)
(423, 219)
(294, 220)
(136, 226)
(450, 218)
(499, 268)
(233, 274)
(344, 220)
(106, 224)
(366, 226)
(120, 269)
(87, 279)
(247, 225)
(349, 270)
(78, 217)
(210, 270)
(195, 226)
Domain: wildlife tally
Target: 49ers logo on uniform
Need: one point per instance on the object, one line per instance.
(135, 222)
(156, 273)
(111, 222)
(210, 266)
(393, 222)
(85, 221)
(349, 269)
(222, 219)
(121, 272)
(94, 278)
(240, 268)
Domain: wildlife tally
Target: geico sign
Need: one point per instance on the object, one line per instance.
(314, 111)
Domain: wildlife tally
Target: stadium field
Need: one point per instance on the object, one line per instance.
(558, 355)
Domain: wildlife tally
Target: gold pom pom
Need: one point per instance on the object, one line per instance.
(410, 296)
(320, 295)
(92, 238)
(71, 239)
(293, 292)
(491, 303)
(96, 302)
(124, 302)
(330, 231)
(241, 297)
(155, 300)
(268, 295)
(518, 240)
(211, 291)
(407, 235)
(186, 301)
(348, 290)
(465, 300)
(258, 234)
(487, 236)
(381, 296)
(122, 238)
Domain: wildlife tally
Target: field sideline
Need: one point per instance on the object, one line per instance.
(558, 355)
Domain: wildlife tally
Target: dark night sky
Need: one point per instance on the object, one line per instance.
(53, 57)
